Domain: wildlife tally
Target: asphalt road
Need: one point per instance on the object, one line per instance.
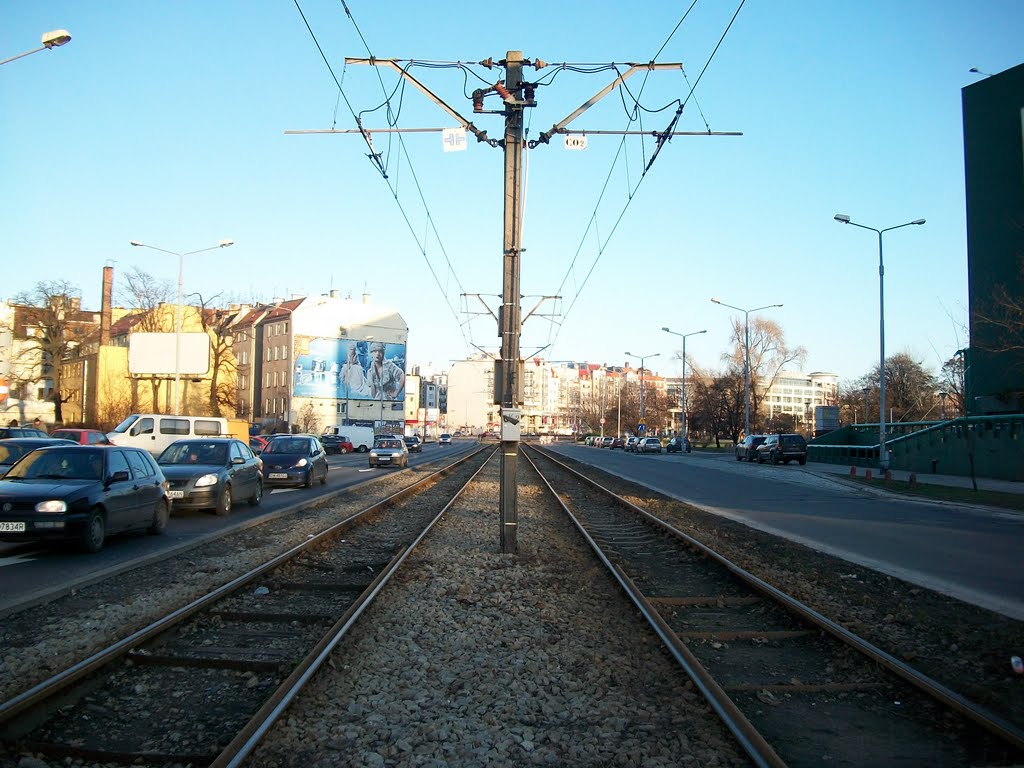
(972, 553)
(30, 572)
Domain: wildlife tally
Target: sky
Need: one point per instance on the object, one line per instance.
(165, 123)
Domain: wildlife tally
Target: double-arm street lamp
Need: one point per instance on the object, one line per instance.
(641, 358)
(746, 356)
(842, 218)
(53, 39)
(682, 397)
(177, 312)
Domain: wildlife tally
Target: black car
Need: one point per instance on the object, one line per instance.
(678, 445)
(83, 493)
(294, 460)
(336, 444)
(412, 442)
(6, 432)
(13, 448)
(784, 448)
(747, 447)
(210, 473)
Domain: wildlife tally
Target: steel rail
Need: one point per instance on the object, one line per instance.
(256, 729)
(749, 738)
(978, 714)
(49, 687)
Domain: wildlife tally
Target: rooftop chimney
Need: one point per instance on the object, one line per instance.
(105, 305)
(334, 293)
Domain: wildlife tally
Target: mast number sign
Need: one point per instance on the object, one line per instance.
(576, 142)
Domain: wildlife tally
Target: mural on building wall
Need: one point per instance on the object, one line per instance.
(349, 370)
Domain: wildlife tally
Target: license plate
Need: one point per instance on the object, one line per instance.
(176, 494)
(278, 475)
(12, 527)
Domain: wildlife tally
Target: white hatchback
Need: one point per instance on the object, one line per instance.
(649, 445)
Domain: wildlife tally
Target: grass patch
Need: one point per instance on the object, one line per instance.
(945, 493)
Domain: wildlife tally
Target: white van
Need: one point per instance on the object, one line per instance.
(155, 431)
(360, 437)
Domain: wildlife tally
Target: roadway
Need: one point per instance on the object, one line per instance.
(970, 552)
(32, 573)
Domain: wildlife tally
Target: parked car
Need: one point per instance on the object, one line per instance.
(154, 431)
(606, 442)
(784, 448)
(389, 452)
(649, 445)
(631, 443)
(83, 493)
(257, 443)
(82, 436)
(211, 473)
(618, 442)
(747, 447)
(6, 432)
(444, 439)
(336, 444)
(678, 445)
(412, 442)
(13, 448)
(294, 460)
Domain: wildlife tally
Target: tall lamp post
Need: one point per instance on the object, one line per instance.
(177, 311)
(641, 358)
(54, 39)
(682, 404)
(746, 357)
(842, 218)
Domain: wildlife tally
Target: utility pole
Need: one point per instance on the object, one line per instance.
(516, 95)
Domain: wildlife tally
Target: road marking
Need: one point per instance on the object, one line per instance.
(17, 559)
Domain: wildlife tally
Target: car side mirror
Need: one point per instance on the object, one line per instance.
(238, 460)
(119, 477)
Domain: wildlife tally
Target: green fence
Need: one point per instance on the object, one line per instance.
(943, 447)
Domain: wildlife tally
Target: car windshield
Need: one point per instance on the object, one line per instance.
(388, 444)
(59, 464)
(287, 445)
(195, 453)
(11, 452)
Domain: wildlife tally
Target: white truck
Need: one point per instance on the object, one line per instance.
(360, 437)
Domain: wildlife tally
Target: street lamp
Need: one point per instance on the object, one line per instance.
(842, 218)
(682, 404)
(746, 356)
(177, 312)
(641, 358)
(54, 39)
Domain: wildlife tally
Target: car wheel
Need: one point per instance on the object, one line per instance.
(95, 532)
(738, 457)
(309, 479)
(775, 458)
(257, 494)
(362, 449)
(160, 516)
(343, 451)
(803, 460)
(760, 458)
(224, 502)
(323, 480)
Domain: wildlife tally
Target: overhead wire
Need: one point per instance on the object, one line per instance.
(631, 191)
(392, 118)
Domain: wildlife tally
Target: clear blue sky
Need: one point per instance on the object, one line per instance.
(164, 123)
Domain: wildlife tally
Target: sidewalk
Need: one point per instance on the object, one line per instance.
(952, 481)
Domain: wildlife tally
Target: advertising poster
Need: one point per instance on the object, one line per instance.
(343, 369)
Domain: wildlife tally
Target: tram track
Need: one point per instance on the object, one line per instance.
(791, 685)
(211, 676)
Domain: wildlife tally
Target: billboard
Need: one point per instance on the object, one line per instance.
(344, 369)
(153, 354)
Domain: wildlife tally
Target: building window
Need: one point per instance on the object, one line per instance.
(284, 352)
(268, 379)
(275, 353)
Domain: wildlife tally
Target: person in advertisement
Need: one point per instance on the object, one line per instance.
(352, 378)
(386, 380)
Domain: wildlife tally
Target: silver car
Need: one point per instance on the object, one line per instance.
(649, 445)
(389, 452)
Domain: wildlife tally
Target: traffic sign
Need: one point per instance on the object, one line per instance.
(602, 421)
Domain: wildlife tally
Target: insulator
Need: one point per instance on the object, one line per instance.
(503, 92)
(478, 100)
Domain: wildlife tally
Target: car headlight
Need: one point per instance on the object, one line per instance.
(373, 454)
(301, 463)
(206, 480)
(53, 505)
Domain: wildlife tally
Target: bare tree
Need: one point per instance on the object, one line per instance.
(718, 403)
(911, 390)
(1002, 321)
(48, 324)
(309, 421)
(223, 366)
(769, 355)
(951, 379)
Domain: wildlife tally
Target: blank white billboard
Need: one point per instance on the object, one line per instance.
(153, 354)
